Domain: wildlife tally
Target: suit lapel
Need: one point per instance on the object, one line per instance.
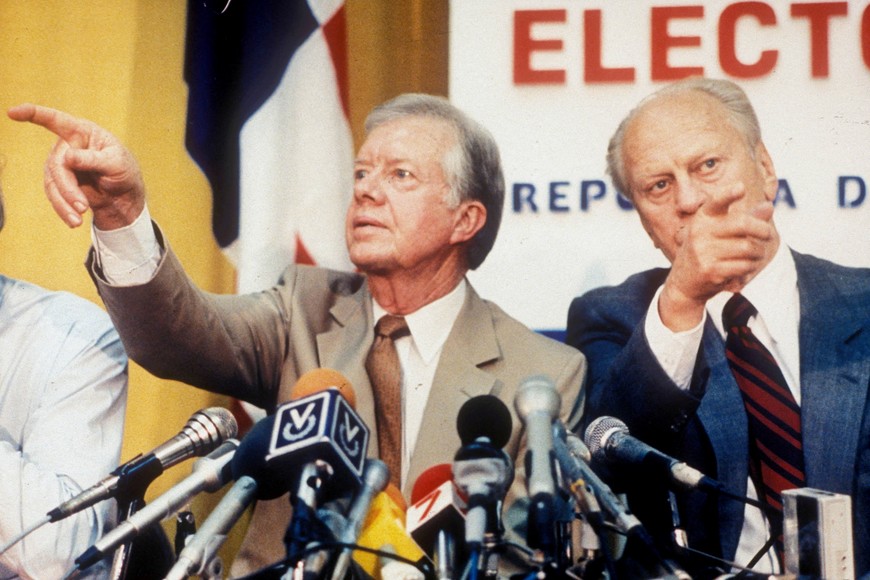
(724, 419)
(471, 343)
(344, 347)
(835, 371)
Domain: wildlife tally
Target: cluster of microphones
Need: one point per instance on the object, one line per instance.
(349, 522)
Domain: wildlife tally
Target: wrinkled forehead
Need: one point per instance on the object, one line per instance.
(422, 140)
(672, 112)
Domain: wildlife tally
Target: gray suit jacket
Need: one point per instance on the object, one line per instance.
(255, 347)
(706, 426)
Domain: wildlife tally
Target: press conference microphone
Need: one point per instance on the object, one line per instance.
(319, 423)
(538, 403)
(204, 544)
(609, 437)
(209, 474)
(204, 431)
(376, 475)
(319, 436)
(573, 458)
(385, 526)
(481, 468)
(436, 518)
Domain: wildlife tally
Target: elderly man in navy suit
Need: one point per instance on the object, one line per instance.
(661, 358)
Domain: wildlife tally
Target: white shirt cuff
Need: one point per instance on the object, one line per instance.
(130, 255)
(675, 351)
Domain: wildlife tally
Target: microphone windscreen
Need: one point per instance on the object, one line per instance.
(395, 494)
(385, 525)
(250, 460)
(484, 416)
(317, 380)
(430, 479)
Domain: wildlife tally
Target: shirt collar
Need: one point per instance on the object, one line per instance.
(431, 324)
(770, 292)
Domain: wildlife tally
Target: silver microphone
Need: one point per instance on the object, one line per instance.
(209, 474)
(204, 431)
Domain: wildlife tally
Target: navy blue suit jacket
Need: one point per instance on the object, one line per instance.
(706, 425)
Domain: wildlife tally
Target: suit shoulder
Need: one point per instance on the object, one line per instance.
(522, 338)
(640, 284)
(630, 298)
(303, 277)
(852, 283)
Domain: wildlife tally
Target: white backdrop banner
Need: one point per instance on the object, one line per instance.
(553, 79)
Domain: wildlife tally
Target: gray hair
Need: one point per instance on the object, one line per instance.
(730, 95)
(472, 166)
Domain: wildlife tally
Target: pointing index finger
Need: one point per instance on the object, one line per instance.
(62, 124)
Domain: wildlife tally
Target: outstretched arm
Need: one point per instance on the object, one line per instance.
(88, 167)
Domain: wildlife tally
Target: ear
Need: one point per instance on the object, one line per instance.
(771, 183)
(469, 219)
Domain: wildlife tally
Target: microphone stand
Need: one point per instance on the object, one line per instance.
(305, 526)
(132, 484)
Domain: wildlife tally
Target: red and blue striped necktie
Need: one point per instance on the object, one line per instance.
(775, 443)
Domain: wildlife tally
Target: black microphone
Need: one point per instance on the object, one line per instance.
(481, 468)
(321, 427)
(204, 431)
(609, 437)
(210, 473)
(573, 457)
(538, 403)
(436, 518)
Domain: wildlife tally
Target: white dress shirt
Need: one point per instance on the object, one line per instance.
(63, 393)
(774, 293)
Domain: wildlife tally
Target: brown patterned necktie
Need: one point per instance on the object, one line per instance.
(385, 373)
(775, 440)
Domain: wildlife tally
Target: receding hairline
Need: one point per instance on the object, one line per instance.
(725, 97)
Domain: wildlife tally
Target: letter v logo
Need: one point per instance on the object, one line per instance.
(300, 418)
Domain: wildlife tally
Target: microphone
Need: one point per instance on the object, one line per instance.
(481, 469)
(537, 403)
(209, 473)
(384, 530)
(319, 423)
(204, 544)
(573, 457)
(320, 439)
(584, 484)
(375, 478)
(204, 431)
(436, 517)
(609, 437)
(315, 437)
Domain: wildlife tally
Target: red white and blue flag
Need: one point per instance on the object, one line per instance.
(267, 122)
(268, 125)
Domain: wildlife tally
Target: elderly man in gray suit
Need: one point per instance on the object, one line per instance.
(426, 206)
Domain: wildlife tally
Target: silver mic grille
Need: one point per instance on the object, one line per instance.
(210, 427)
(600, 430)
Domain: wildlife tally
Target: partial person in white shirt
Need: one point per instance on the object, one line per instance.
(63, 393)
